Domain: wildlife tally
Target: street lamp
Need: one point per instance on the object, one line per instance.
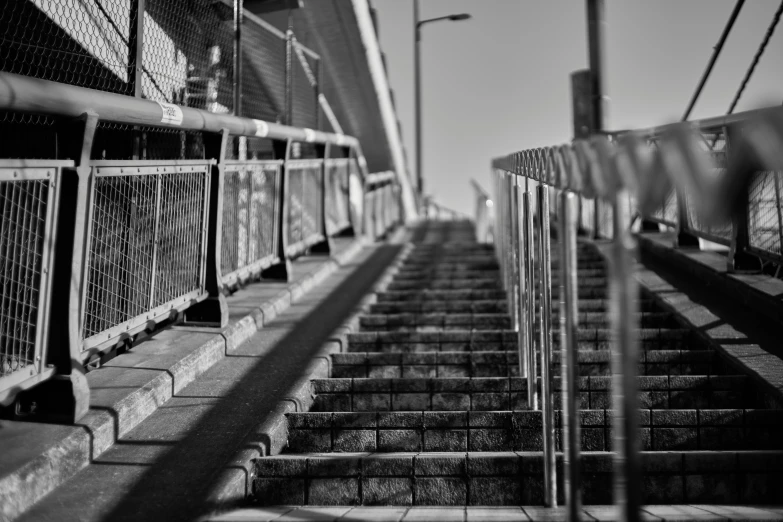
(417, 73)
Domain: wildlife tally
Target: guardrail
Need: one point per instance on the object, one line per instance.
(141, 241)
(611, 178)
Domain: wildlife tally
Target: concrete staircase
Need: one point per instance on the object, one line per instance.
(425, 406)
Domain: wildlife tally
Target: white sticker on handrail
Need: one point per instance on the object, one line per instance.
(309, 135)
(262, 129)
(172, 114)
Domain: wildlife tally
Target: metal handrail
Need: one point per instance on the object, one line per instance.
(611, 170)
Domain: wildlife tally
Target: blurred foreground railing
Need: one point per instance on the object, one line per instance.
(221, 200)
(716, 179)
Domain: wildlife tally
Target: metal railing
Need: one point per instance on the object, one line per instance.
(172, 200)
(484, 213)
(598, 184)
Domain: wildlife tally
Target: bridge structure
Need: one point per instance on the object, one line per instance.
(220, 298)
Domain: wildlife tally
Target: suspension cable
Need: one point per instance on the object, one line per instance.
(715, 53)
(756, 58)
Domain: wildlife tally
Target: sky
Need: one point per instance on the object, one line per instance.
(499, 82)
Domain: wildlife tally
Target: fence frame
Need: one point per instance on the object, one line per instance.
(29, 170)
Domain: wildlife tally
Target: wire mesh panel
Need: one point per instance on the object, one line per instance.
(337, 212)
(587, 214)
(188, 53)
(304, 203)
(667, 213)
(715, 144)
(765, 224)
(250, 210)
(146, 245)
(605, 220)
(27, 201)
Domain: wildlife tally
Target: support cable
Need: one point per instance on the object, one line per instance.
(756, 58)
(716, 52)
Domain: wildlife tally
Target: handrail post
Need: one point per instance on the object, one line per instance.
(513, 290)
(213, 311)
(532, 388)
(545, 321)
(524, 284)
(625, 359)
(66, 396)
(569, 322)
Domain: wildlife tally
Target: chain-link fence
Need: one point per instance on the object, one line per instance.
(337, 210)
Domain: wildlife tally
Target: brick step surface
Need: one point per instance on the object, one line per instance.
(502, 393)
(425, 365)
(661, 430)
(504, 340)
(417, 293)
(508, 478)
(651, 512)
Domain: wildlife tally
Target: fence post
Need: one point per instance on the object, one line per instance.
(66, 396)
(569, 322)
(238, 19)
(281, 271)
(625, 359)
(532, 388)
(289, 74)
(545, 322)
(213, 311)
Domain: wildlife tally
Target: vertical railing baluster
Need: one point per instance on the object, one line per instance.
(545, 322)
(524, 284)
(532, 389)
(569, 319)
(515, 254)
(625, 358)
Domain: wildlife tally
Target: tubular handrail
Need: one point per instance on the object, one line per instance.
(33, 95)
(619, 171)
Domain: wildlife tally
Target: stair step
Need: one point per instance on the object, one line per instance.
(493, 393)
(586, 296)
(487, 306)
(508, 478)
(423, 322)
(661, 430)
(446, 284)
(424, 365)
(487, 340)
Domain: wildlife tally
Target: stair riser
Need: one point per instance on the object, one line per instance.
(695, 478)
(485, 320)
(479, 346)
(593, 438)
(510, 369)
(516, 400)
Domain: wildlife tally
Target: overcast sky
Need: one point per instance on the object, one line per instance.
(500, 82)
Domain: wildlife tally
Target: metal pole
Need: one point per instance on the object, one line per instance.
(524, 331)
(716, 52)
(569, 321)
(545, 322)
(625, 353)
(513, 290)
(532, 389)
(417, 110)
(596, 35)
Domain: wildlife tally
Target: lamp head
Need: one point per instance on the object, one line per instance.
(458, 17)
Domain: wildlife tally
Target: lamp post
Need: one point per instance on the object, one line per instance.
(417, 73)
